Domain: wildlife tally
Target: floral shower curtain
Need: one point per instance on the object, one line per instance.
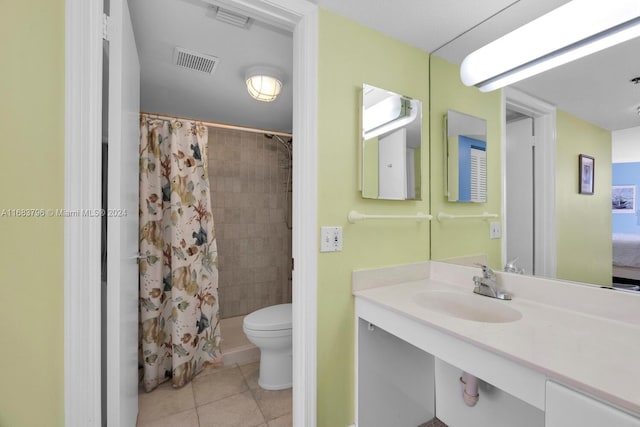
(180, 329)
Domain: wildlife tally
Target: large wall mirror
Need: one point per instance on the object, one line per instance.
(466, 157)
(391, 145)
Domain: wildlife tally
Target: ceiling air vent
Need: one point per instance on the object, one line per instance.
(232, 18)
(195, 61)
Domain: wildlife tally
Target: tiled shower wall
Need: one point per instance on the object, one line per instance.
(252, 213)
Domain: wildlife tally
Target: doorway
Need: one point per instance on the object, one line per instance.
(528, 162)
(83, 123)
(520, 191)
(247, 148)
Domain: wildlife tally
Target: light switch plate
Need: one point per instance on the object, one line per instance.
(330, 239)
(494, 230)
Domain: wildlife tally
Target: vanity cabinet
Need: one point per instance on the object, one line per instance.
(568, 408)
(551, 366)
(398, 384)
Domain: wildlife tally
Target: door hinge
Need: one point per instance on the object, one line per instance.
(533, 126)
(293, 263)
(105, 26)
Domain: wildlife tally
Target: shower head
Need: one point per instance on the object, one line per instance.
(285, 144)
(282, 141)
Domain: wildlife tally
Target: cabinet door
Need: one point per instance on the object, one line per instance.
(567, 408)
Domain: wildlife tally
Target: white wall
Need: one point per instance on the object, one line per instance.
(625, 145)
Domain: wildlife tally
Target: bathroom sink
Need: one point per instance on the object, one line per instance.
(467, 306)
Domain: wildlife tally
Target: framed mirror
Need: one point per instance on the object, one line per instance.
(391, 141)
(466, 158)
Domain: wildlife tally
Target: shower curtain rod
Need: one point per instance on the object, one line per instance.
(220, 125)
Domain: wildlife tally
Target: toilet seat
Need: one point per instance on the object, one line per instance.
(273, 318)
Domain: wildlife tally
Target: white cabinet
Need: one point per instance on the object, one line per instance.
(568, 408)
(407, 372)
(530, 375)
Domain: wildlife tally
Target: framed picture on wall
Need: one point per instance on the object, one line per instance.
(586, 173)
(623, 199)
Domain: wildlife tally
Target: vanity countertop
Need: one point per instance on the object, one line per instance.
(597, 351)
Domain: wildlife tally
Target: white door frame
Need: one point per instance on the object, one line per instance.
(83, 125)
(544, 115)
(83, 146)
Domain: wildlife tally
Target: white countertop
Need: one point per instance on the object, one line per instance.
(597, 351)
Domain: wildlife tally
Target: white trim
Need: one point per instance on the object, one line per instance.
(82, 240)
(83, 125)
(356, 359)
(545, 137)
(305, 218)
(503, 175)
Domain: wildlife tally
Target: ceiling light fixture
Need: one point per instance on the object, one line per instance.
(263, 83)
(576, 29)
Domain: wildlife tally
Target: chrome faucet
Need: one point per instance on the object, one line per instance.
(487, 285)
(511, 267)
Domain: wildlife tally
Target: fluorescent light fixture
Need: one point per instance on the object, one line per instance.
(263, 83)
(387, 115)
(575, 29)
(385, 111)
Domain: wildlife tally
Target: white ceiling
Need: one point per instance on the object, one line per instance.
(596, 88)
(161, 25)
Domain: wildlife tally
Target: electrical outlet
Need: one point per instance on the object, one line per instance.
(330, 239)
(494, 230)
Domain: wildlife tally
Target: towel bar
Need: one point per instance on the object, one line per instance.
(444, 216)
(355, 216)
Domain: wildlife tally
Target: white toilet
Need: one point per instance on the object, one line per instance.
(269, 329)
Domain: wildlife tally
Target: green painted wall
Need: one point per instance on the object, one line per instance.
(370, 168)
(457, 238)
(32, 176)
(350, 55)
(583, 221)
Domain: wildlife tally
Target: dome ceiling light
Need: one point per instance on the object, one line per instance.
(263, 83)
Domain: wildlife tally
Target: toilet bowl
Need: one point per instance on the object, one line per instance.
(269, 329)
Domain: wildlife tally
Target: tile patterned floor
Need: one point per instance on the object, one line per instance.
(433, 423)
(217, 397)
